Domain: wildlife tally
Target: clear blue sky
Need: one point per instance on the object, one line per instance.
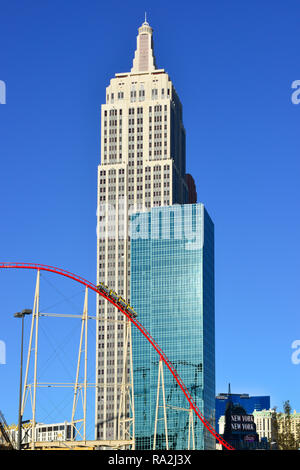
(232, 64)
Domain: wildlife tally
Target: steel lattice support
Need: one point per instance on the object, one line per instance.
(126, 420)
(126, 423)
(33, 332)
(78, 387)
(160, 382)
(191, 429)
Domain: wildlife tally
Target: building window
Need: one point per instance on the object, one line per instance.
(154, 93)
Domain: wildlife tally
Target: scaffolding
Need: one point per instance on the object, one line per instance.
(78, 436)
(6, 442)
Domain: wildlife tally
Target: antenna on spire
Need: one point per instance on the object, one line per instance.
(145, 17)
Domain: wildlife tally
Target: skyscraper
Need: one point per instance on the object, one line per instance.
(172, 289)
(142, 162)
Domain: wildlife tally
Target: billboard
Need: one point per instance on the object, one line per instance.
(242, 424)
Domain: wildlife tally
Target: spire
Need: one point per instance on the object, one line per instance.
(144, 60)
(229, 394)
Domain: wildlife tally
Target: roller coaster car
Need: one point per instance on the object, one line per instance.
(131, 312)
(122, 302)
(114, 295)
(102, 287)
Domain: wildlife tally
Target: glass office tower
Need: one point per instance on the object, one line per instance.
(172, 290)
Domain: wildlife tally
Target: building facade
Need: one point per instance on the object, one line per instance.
(264, 420)
(142, 164)
(43, 432)
(172, 289)
(247, 402)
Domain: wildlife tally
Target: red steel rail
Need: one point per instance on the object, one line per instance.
(140, 327)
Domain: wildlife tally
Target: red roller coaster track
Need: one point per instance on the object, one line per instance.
(140, 327)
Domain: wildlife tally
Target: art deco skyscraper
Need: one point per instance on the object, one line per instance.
(142, 164)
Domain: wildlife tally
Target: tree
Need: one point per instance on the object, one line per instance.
(285, 436)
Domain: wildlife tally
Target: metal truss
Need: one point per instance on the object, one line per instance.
(131, 317)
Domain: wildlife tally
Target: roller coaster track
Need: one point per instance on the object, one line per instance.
(162, 355)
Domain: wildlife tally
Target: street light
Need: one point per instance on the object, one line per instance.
(21, 315)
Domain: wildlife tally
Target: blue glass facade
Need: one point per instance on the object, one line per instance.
(249, 404)
(172, 290)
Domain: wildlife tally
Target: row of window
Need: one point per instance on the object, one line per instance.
(121, 171)
(140, 94)
(139, 110)
(110, 327)
(131, 121)
(139, 130)
(166, 184)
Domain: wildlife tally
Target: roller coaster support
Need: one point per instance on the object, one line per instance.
(160, 379)
(191, 429)
(77, 386)
(126, 420)
(33, 331)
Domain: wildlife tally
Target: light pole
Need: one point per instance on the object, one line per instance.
(21, 315)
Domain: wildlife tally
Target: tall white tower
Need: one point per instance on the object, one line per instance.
(142, 164)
